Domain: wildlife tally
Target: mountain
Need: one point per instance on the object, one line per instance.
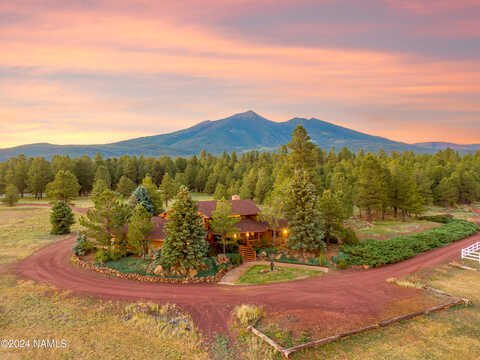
(240, 132)
(437, 146)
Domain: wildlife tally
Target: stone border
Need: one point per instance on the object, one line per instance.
(455, 301)
(145, 278)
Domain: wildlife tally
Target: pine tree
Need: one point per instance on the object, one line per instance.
(371, 186)
(222, 221)
(20, 174)
(106, 220)
(139, 227)
(125, 186)
(168, 188)
(155, 195)
(39, 175)
(304, 219)
(332, 212)
(140, 196)
(220, 192)
(184, 247)
(102, 173)
(61, 218)
(64, 187)
(98, 188)
(11, 195)
(302, 150)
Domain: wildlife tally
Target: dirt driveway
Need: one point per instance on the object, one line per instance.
(361, 294)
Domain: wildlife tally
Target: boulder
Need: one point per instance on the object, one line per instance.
(158, 270)
(192, 273)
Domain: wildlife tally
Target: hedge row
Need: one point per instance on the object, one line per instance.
(375, 253)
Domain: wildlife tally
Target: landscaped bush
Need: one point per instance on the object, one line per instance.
(376, 253)
(128, 265)
(101, 256)
(235, 259)
(211, 270)
(443, 218)
(349, 237)
(82, 245)
(268, 250)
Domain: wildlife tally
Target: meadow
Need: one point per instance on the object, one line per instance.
(92, 328)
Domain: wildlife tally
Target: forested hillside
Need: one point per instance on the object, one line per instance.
(377, 183)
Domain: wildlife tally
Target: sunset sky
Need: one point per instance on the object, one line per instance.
(88, 71)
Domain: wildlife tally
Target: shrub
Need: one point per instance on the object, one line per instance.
(11, 195)
(247, 314)
(82, 245)
(376, 253)
(61, 218)
(211, 268)
(322, 260)
(101, 256)
(235, 259)
(268, 250)
(349, 236)
(443, 218)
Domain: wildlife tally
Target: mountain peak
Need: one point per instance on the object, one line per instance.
(247, 114)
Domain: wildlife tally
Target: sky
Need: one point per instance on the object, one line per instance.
(98, 71)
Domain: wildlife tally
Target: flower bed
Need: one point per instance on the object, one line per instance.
(281, 257)
(147, 278)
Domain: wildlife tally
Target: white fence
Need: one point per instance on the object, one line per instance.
(472, 252)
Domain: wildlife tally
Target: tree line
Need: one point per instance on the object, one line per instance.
(377, 184)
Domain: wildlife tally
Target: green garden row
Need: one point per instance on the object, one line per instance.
(375, 253)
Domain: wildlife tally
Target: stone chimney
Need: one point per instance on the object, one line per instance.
(235, 197)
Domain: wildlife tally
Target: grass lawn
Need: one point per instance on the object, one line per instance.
(201, 196)
(462, 212)
(23, 230)
(382, 230)
(254, 275)
(92, 329)
(84, 202)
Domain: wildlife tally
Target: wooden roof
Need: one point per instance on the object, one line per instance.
(239, 207)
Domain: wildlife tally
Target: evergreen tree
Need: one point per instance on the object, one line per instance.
(106, 221)
(102, 173)
(64, 187)
(99, 187)
(139, 228)
(371, 186)
(39, 175)
(220, 192)
(223, 223)
(302, 150)
(140, 196)
(332, 213)
(154, 194)
(304, 219)
(20, 176)
(84, 171)
(184, 247)
(61, 218)
(168, 188)
(11, 195)
(446, 193)
(125, 186)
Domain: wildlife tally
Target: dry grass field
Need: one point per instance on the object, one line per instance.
(92, 329)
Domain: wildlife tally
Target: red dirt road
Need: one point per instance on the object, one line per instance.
(356, 294)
